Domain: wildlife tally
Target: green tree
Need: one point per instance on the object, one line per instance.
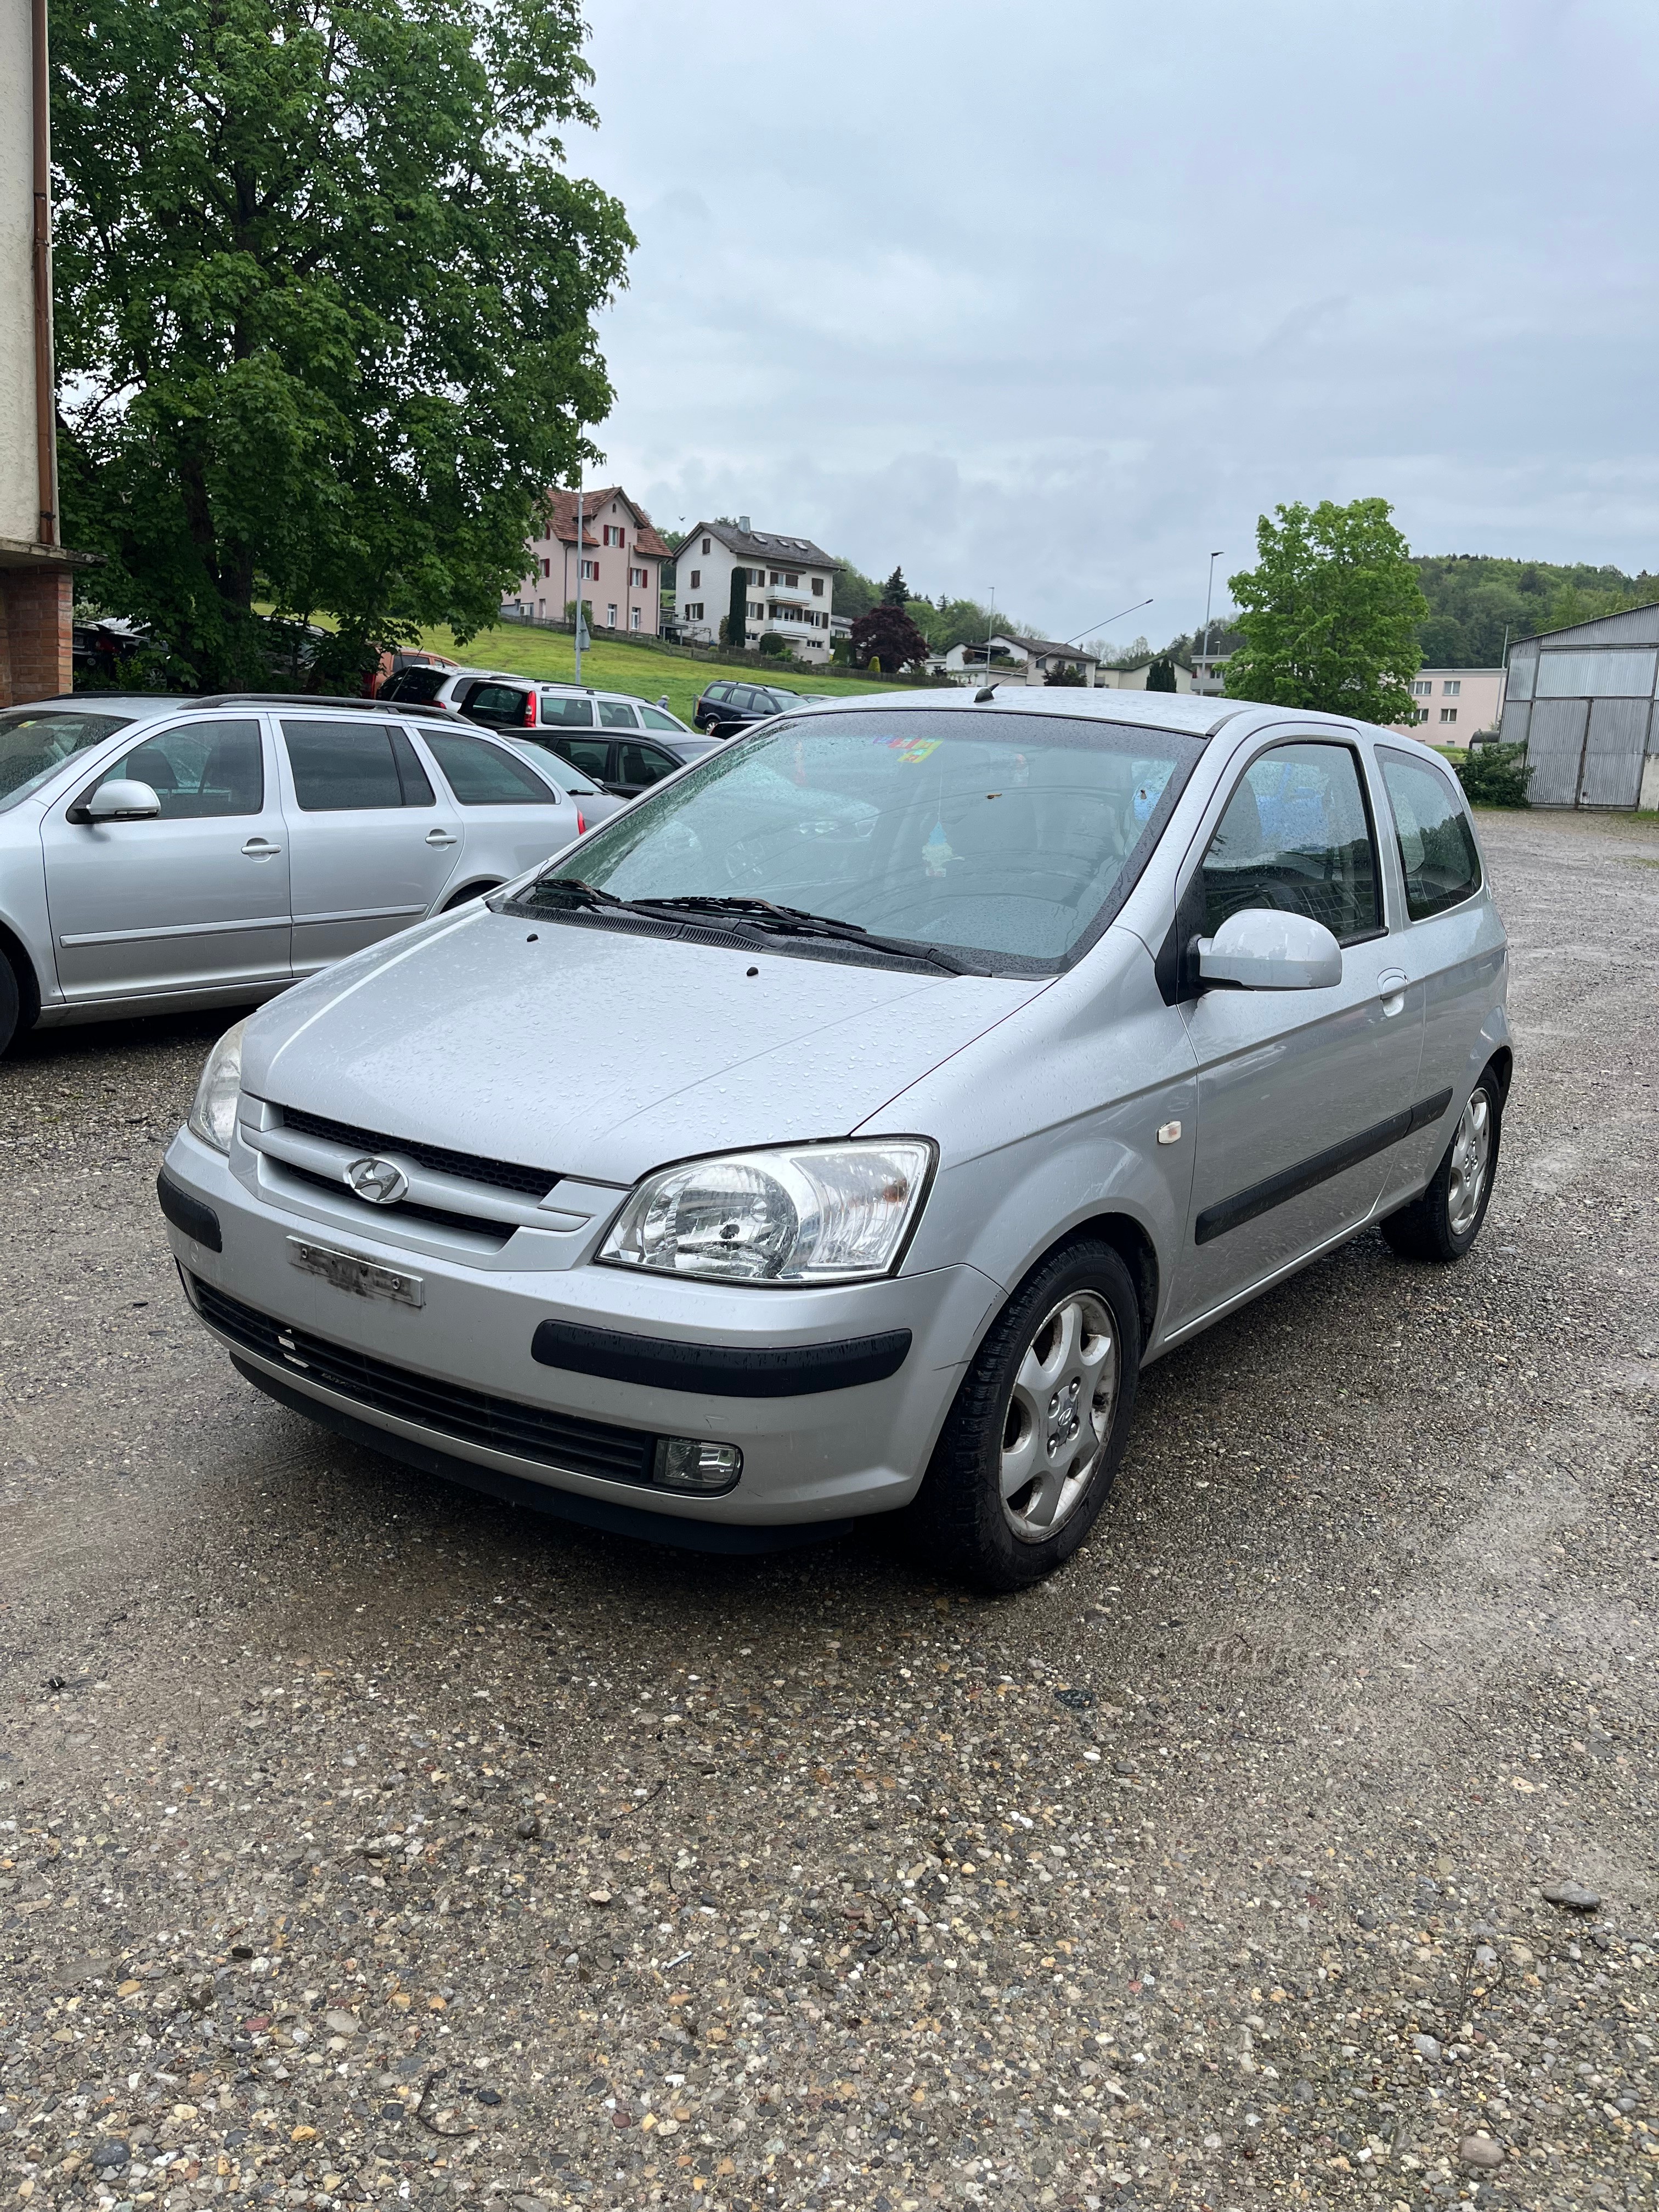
(1160, 674)
(735, 628)
(895, 592)
(326, 302)
(1329, 615)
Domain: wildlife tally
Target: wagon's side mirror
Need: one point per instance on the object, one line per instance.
(1261, 950)
(123, 799)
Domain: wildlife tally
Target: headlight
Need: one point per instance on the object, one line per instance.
(213, 1110)
(811, 1214)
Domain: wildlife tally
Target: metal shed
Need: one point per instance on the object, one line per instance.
(1580, 700)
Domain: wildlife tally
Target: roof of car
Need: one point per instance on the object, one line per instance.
(177, 702)
(1198, 715)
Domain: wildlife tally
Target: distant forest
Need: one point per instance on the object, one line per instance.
(1473, 597)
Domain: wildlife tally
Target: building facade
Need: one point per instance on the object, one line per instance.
(617, 568)
(789, 586)
(36, 596)
(1582, 701)
(1453, 704)
(1014, 660)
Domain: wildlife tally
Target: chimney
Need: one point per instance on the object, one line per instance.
(743, 524)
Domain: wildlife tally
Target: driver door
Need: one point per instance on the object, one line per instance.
(195, 900)
(1302, 1094)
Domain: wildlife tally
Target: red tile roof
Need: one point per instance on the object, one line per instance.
(564, 518)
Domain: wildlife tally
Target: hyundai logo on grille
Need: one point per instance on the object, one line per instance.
(378, 1180)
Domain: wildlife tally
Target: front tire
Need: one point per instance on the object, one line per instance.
(1029, 1449)
(11, 1003)
(1442, 1224)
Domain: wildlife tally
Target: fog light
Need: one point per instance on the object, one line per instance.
(688, 1463)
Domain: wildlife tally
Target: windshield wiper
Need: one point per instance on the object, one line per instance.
(795, 921)
(581, 894)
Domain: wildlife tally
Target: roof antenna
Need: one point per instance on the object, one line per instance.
(989, 692)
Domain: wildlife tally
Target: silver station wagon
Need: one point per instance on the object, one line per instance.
(160, 851)
(841, 1129)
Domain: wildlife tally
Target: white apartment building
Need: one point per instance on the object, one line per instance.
(789, 586)
(1453, 703)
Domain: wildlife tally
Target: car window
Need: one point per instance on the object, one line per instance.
(343, 767)
(565, 713)
(616, 714)
(655, 719)
(720, 693)
(1438, 856)
(34, 743)
(1014, 836)
(502, 704)
(419, 686)
(591, 755)
(642, 764)
(417, 784)
(199, 769)
(484, 776)
(1296, 837)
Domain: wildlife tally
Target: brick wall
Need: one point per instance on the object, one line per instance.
(35, 633)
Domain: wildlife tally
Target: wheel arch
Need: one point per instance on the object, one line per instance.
(15, 954)
(471, 890)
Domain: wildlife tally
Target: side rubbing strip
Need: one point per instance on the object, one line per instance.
(1262, 1197)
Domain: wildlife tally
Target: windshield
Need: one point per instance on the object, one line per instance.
(36, 741)
(1012, 836)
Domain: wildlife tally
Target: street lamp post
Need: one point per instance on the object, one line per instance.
(1209, 595)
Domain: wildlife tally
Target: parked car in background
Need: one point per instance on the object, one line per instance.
(594, 801)
(498, 701)
(175, 852)
(624, 766)
(723, 707)
(841, 1129)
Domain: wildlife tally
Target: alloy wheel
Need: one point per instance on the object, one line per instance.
(1471, 1159)
(1058, 1415)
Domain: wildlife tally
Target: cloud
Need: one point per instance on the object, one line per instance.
(1057, 299)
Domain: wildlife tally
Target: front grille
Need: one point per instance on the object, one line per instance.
(504, 1175)
(405, 1210)
(502, 1424)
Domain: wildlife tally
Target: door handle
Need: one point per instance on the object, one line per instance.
(260, 849)
(1391, 989)
(440, 838)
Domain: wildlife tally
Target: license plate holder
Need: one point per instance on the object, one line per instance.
(359, 1277)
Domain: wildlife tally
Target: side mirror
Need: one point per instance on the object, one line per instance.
(1260, 950)
(122, 799)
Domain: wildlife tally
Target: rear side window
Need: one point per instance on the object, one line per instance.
(202, 769)
(1438, 853)
(616, 714)
(417, 783)
(485, 775)
(655, 719)
(643, 764)
(1296, 837)
(343, 767)
(592, 756)
(566, 713)
(720, 693)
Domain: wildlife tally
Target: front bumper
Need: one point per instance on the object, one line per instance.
(496, 1366)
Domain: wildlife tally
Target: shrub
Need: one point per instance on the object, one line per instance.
(1496, 775)
(773, 643)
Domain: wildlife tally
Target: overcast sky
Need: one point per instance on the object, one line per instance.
(1057, 298)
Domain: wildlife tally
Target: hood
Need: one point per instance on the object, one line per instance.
(597, 1054)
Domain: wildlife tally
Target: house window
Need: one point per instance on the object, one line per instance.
(794, 582)
(639, 579)
(636, 618)
(1449, 713)
(590, 572)
(774, 576)
(756, 611)
(818, 588)
(612, 534)
(705, 545)
(1453, 689)
(1422, 690)
(696, 578)
(611, 617)
(547, 567)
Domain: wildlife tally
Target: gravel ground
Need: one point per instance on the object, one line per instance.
(361, 1839)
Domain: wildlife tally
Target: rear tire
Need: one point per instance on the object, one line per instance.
(1030, 1448)
(1444, 1222)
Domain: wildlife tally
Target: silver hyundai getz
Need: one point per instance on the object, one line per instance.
(843, 1127)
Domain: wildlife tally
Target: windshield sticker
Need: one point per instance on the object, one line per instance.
(1150, 780)
(908, 749)
(936, 854)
